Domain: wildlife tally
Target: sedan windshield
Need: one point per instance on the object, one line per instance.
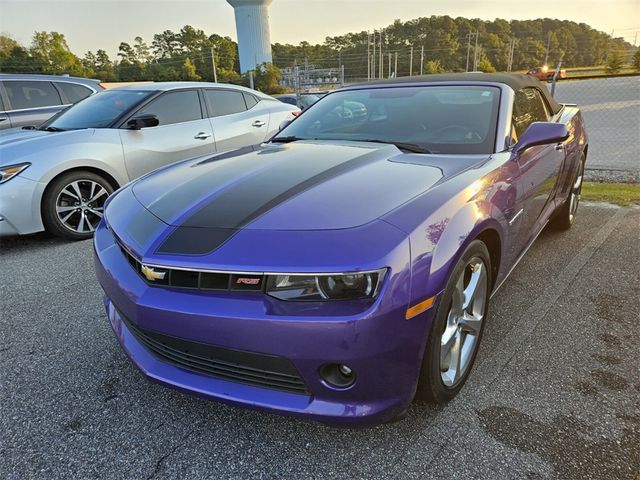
(97, 111)
(436, 119)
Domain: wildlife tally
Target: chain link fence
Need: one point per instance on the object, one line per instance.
(611, 110)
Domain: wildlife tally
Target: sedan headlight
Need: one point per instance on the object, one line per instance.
(326, 286)
(10, 171)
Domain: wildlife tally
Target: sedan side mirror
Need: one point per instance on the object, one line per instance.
(541, 133)
(143, 121)
(283, 125)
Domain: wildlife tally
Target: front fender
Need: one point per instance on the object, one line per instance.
(439, 242)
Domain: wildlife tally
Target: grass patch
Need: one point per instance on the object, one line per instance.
(623, 194)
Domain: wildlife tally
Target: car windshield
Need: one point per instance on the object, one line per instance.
(97, 111)
(436, 119)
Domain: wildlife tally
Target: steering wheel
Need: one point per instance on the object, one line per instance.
(456, 133)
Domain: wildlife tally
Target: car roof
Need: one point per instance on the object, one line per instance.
(56, 78)
(165, 86)
(516, 81)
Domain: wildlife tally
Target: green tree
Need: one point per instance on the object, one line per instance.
(266, 77)
(189, 72)
(51, 51)
(7, 44)
(636, 60)
(615, 62)
(433, 66)
(19, 60)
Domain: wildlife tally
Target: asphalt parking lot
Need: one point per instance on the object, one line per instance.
(555, 392)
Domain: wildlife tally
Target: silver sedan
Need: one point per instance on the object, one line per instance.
(58, 177)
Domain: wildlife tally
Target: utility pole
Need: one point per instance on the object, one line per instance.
(373, 59)
(606, 60)
(411, 62)
(468, 49)
(395, 67)
(512, 47)
(368, 56)
(389, 74)
(421, 58)
(546, 56)
(213, 65)
(476, 58)
(381, 59)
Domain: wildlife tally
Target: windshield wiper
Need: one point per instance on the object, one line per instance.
(410, 147)
(289, 139)
(52, 129)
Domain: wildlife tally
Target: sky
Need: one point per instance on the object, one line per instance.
(94, 24)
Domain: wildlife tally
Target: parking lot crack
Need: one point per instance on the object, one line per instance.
(164, 457)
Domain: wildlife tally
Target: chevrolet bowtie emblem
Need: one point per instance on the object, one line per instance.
(151, 274)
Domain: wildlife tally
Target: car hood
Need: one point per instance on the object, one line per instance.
(297, 186)
(18, 137)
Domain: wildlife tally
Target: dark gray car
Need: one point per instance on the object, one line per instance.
(32, 99)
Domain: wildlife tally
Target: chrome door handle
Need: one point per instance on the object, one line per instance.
(258, 123)
(202, 136)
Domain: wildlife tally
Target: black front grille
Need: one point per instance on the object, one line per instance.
(259, 370)
(201, 280)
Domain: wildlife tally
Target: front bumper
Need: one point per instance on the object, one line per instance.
(20, 200)
(382, 347)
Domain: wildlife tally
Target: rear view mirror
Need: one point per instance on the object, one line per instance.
(144, 120)
(541, 133)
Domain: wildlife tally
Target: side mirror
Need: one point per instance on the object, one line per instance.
(284, 125)
(143, 121)
(541, 133)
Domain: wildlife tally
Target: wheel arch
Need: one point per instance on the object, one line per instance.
(487, 229)
(97, 171)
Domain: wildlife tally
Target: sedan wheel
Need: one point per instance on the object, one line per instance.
(457, 326)
(80, 205)
(73, 204)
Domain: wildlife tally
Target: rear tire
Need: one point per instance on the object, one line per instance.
(566, 214)
(73, 204)
(457, 327)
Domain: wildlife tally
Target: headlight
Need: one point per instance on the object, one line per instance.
(10, 171)
(326, 286)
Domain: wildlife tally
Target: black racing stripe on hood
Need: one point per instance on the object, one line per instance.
(217, 221)
(179, 197)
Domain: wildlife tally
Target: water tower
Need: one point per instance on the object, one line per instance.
(254, 38)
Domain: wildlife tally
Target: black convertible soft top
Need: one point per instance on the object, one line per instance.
(515, 80)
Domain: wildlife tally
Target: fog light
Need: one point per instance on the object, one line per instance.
(338, 375)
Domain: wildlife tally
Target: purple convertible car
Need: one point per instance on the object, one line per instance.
(345, 267)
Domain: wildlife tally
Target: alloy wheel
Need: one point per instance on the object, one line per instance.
(80, 205)
(459, 339)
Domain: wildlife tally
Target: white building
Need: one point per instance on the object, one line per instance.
(254, 37)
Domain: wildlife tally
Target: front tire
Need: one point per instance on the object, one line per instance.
(457, 327)
(73, 204)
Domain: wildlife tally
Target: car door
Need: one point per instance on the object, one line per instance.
(539, 166)
(238, 119)
(31, 102)
(183, 132)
